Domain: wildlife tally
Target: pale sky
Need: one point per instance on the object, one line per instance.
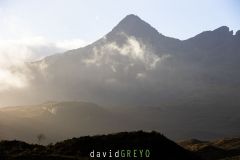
(48, 26)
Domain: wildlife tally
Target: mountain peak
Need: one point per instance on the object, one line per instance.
(208, 37)
(132, 19)
(132, 25)
(223, 30)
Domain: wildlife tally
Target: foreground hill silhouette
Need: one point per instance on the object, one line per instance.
(80, 148)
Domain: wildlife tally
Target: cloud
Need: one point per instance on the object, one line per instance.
(9, 79)
(131, 54)
(15, 52)
(109, 69)
(70, 44)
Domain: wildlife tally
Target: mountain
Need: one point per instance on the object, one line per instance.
(136, 65)
(152, 145)
(166, 84)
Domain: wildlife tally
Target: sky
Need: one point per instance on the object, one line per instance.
(30, 30)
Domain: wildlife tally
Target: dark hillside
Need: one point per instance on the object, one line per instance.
(80, 148)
